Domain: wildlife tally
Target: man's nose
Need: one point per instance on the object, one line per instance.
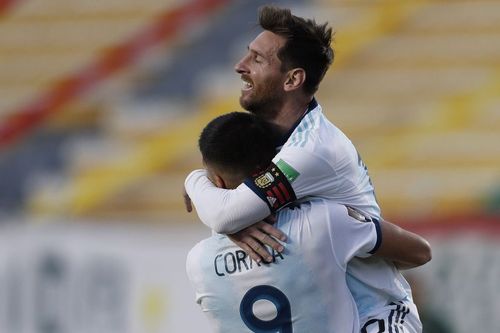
(241, 67)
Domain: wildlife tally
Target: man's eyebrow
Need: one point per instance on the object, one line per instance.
(256, 52)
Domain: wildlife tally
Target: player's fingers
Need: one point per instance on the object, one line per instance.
(260, 249)
(264, 238)
(271, 219)
(272, 231)
(255, 257)
(187, 202)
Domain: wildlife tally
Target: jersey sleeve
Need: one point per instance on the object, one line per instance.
(353, 234)
(224, 211)
(273, 187)
(309, 173)
(294, 174)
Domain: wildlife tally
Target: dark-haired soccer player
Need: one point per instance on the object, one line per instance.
(305, 285)
(281, 72)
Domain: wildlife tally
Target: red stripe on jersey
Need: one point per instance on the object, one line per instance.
(278, 195)
(285, 192)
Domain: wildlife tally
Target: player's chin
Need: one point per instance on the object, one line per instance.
(246, 102)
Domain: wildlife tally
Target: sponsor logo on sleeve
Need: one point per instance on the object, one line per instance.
(290, 173)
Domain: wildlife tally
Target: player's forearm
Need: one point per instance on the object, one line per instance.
(404, 265)
(404, 248)
(224, 211)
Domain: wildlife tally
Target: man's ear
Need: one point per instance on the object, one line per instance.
(219, 182)
(295, 79)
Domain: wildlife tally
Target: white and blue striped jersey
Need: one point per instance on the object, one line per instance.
(320, 161)
(317, 160)
(303, 290)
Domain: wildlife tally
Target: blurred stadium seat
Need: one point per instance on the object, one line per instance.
(415, 85)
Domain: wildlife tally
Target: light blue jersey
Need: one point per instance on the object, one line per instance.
(303, 290)
(319, 161)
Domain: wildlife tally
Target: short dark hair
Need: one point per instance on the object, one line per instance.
(239, 142)
(307, 43)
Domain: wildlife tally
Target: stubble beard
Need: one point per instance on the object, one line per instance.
(266, 106)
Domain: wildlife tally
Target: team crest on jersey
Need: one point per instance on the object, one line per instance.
(355, 214)
(264, 180)
(274, 187)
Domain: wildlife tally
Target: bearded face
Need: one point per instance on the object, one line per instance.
(263, 80)
(262, 97)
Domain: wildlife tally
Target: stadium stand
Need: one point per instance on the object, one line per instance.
(415, 86)
(62, 78)
(425, 92)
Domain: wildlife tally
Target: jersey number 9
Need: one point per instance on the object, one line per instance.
(282, 323)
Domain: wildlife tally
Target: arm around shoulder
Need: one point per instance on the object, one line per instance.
(224, 211)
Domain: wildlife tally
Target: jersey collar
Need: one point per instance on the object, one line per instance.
(312, 105)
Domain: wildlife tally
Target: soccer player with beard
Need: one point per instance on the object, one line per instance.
(306, 283)
(282, 70)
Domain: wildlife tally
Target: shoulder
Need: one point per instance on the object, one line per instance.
(202, 248)
(307, 130)
(318, 211)
(331, 210)
(333, 214)
(194, 254)
(316, 133)
(199, 256)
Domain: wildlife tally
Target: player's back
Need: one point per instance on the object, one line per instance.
(306, 283)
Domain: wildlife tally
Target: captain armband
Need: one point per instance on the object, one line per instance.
(273, 187)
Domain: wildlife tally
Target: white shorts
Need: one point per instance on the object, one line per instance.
(397, 317)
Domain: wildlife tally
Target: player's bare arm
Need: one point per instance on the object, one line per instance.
(406, 249)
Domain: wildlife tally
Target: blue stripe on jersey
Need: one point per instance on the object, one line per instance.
(401, 311)
(312, 105)
(310, 124)
(303, 131)
(379, 236)
(294, 139)
(300, 132)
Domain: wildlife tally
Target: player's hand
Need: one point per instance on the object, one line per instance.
(271, 219)
(187, 202)
(254, 238)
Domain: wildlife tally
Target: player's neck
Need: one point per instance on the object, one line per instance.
(290, 112)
